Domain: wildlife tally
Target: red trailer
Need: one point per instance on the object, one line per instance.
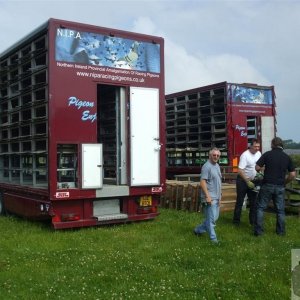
(82, 125)
(224, 115)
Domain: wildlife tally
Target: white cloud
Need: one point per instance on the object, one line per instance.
(194, 72)
(144, 25)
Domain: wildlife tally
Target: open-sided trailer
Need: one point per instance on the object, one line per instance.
(82, 125)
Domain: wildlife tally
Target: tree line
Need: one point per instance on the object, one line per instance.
(290, 144)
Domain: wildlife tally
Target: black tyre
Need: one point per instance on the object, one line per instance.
(2, 208)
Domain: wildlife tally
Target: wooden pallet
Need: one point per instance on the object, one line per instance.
(184, 195)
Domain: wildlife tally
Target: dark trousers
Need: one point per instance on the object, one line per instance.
(241, 191)
(277, 194)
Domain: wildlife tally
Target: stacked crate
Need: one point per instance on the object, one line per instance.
(184, 195)
(24, 113)
(228, 197)
(196, 122)
(181, 195)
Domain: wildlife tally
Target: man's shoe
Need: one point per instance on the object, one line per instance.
(215, 241)
(197, 233)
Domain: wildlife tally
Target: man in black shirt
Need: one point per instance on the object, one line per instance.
(276, 164)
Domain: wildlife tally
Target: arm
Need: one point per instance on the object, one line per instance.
(249, 183)
(242, 174)
(260, 164)
(292, 172)
(243, 163)
(258, 168)
(290, 177)
(205, 191)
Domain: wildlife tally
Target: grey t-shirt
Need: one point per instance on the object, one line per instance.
(212, 174)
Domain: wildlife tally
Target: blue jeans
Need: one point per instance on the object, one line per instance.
(277, 194)
(211, 213)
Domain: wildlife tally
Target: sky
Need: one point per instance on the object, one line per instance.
(206, 41)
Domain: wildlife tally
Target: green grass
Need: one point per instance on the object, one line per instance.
(159, 259)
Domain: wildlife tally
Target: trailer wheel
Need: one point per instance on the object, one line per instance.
(2, 208)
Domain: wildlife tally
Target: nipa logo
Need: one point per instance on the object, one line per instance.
(68, 33)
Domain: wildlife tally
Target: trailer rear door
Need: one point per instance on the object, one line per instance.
(267, 132)
(144, 136)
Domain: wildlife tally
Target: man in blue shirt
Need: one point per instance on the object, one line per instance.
(275, 164)
(211, 187)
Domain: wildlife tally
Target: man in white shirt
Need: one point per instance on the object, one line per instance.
(244, 184)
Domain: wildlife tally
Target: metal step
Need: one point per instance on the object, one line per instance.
(112, 217)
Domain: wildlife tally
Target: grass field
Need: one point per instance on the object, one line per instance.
(159, 259)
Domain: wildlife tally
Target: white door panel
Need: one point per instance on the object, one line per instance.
(267, 133)
(144, 136)
(92, 166)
